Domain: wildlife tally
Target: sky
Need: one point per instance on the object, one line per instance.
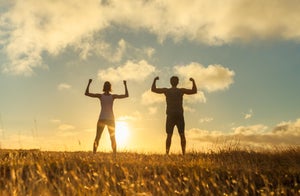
(243, 55)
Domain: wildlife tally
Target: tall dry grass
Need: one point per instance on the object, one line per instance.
(226, 172)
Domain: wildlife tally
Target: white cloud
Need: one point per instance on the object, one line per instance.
(249, 114)
(196, 98)
(248, 130)
(33, 27)
(211, 22)
(188, 108)
(149, 51)
(258, 136)
(203, 135)
(92, 45)
(288, 128)
(136, 71)
(106, 50)
(206, 119)
(149, 97)
(210, 78)
(63, 86)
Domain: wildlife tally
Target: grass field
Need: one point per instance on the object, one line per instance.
(226, 172)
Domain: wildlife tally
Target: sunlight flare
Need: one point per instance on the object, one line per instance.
(122, 133)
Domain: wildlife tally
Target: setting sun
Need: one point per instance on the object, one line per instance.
(122, 133)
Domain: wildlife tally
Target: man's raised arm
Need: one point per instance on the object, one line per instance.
(157, 90)
(191, 91)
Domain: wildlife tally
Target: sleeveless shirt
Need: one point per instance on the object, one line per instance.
(174, 98)
(106, 107)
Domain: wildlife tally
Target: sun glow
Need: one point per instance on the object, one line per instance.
(122, 133)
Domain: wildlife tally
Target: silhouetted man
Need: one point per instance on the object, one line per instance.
(174, 111)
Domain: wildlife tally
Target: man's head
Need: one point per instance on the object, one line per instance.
(174, 81)
(106, 87)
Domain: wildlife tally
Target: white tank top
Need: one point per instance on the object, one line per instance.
(106, 107)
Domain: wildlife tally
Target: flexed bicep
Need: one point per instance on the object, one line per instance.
(155, 89)
(190, 91)
(159, 90)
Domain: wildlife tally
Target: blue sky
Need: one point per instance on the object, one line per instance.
(242, 54)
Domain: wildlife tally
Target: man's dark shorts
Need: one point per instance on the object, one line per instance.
(172, 120)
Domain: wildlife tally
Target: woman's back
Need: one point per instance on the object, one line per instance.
(106, 107)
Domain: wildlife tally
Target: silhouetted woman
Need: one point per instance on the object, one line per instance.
(106, 117)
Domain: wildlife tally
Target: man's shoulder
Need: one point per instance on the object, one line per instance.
(174, 91)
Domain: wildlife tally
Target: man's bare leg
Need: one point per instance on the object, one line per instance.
(168, 143)
(183, 143)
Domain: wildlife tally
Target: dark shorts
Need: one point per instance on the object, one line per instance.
(175, 120)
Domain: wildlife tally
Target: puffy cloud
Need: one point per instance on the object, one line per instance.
(211, 22)
(34, 27)
(188, 108)
(284, 128)
(196, 98)
(210, 78)
(248, 130)
(63, 86)
(249, 114)
(92, 45)
(104, 49)
(203, 135)
(206, 119)
(129, 71)
(260, 136)
(149, 51)
(30, 28)
(149, 97)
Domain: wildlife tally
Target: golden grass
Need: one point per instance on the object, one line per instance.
(226, 172)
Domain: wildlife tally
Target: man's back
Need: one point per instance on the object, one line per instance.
(174, 98)
(175, 117)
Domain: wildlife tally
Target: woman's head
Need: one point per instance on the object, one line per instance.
(106, 87)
